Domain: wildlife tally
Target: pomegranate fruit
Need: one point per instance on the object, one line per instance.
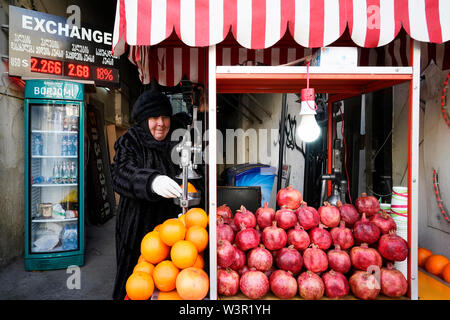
(365, 231)
(329, 215)
(247, 238)
(393, 282)
(289, 197)
(283, 284)
(349, 214)
(315, 259)
(320, 237)
(243, 270)
(367, 204)
(308, 217)
(259, 258)
(274, 238)
(298, 237)
(364, 285)
(336, 284)
(225, 253)
(224, 231)
(285, 218)
(239, 259)
(289, 259)
(310, 286)
(254, 284)
(227, 282)
(363, 257)
(224, 211)
(339, 260)
(342, 236)
(265, 216)
(384, 222)
(246, 217)
(270, 271)
(392, 247)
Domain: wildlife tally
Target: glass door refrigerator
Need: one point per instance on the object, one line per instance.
(54, 175)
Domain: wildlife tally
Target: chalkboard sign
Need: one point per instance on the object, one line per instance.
(99, 192)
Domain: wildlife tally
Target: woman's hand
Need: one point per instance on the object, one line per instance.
(166, 187)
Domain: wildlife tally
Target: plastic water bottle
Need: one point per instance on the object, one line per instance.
(37, 145)
(70, 237)
(71, 145)
(73, 173)
(64, 146)
(75, 144)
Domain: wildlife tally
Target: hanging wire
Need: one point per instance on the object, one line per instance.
(345, 154)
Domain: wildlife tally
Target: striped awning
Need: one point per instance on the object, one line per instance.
(142, 25)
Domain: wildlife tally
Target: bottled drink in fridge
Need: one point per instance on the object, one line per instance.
(64, 145)
(75, 144)
(69, 237)
(37, 145)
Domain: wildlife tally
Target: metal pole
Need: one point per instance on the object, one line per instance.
(212, 172)
(413, 168)
(281, 144)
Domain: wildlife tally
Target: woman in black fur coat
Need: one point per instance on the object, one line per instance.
(143, 175)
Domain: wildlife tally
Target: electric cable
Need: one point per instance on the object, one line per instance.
(345, 154)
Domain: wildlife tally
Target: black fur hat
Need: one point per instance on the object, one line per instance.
(151, 103)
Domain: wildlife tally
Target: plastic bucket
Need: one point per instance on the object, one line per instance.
(399, 212)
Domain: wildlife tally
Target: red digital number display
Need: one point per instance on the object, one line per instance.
(46, 66)
(105, 74)
(76, 70)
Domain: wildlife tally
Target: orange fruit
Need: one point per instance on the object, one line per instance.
(139, 286)
(157, 228)
(171, 231)
(198, 236)
(192, 284)
(165, 275)
(191, 188)
(183, 254)
(141, 258)
(182, 218)
(436, 264)
(199, 262)
(144, 266)
(446, 273)
(171, 295)
(196, 217)
(422, 256)
(153, 248)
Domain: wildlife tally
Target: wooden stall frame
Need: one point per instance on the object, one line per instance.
(341, 83)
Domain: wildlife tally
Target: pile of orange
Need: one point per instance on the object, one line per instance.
(172, 260)
(435, 264)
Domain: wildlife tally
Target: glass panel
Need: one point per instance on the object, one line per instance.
(54, 142)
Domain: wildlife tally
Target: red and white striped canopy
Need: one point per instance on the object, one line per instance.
(260, 24)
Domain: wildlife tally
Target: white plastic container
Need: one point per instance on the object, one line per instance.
(399, 212)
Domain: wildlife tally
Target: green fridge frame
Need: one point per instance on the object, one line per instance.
(53, 92)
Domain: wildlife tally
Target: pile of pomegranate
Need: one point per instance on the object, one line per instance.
(333, 251)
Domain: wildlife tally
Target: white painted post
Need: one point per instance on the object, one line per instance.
(212, 174)
(414, 170)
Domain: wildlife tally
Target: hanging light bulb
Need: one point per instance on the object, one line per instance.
(308, 130)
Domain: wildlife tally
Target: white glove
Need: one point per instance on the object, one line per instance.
(166, 187)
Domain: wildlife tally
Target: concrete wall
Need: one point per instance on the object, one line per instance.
(93, 13)
(434, 231)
